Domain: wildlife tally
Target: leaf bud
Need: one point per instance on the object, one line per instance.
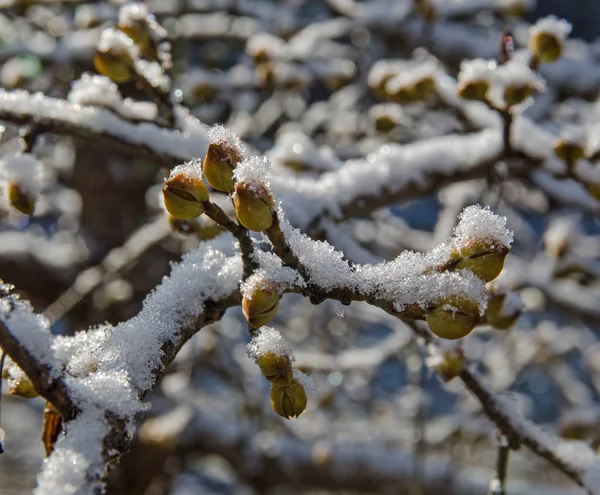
(219, 163)
(253, 205)
(517, 93)
(20, 198)
(474, 90)
(545, 47)
(450, 364)
(568, 151)
(260, 304)
(482, 257)
(18, 382)
(453, 317)
(184, 192)
(277, 369)
(503, 310)
(289, 401)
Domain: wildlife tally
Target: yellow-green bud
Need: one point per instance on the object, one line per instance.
(289, 401)
(219, 163)
(260, 306)
(276, 369)
(425, 10)
(474, 90)
(484, 258)
(453, 318)
(425, 87)
(139, 32)
(513, 95)
(594, 190)
(568, 151)
(117, 67)
(451, 364)
(494, 315)
(183, 195)
(21, 385)
(253, 205)
(546, 47)
(404, 94)
(384, 123)
(20, 199)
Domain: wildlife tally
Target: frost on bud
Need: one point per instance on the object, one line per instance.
(18, 382)
(289, 401)
(133, 21)
(503, 310)
(481, 242)
(253, 205)
(569, 151)
(453, 317)
(483, 257)
(260, 303)
(474, 79)
(184, 192)
(277, 369)
(113, 56)
(219, 163)
(547, 39)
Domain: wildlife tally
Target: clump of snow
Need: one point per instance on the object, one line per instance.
(154, 73)
(190, 142)
(117, 43)
(131, 13)
(265, 44)
(476, 222)
(412, 74)
(191, 170)
(76, 457)
(551, 24)
(298, 148)
(514, 74)
(223, 135)
(271, 270)
(23, 169)
(30, 329)
(269, 340)
(310, 387)
(254, 169)
(477, 70)
(99, 90)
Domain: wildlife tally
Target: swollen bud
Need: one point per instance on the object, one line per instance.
(482, 257)
(277, 369)
(568, 151)
(18, 382)
(503, 310)
(517, 93)
(450, 364)
(113, 56)
(184, 192)
(474, 90)
(253, 205)
(289, 401)
(219, 163)
(21, 199)
(453, 317)
(546, 47)
(260, 304)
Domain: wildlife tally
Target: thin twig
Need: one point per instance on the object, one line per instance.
(498, 483)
